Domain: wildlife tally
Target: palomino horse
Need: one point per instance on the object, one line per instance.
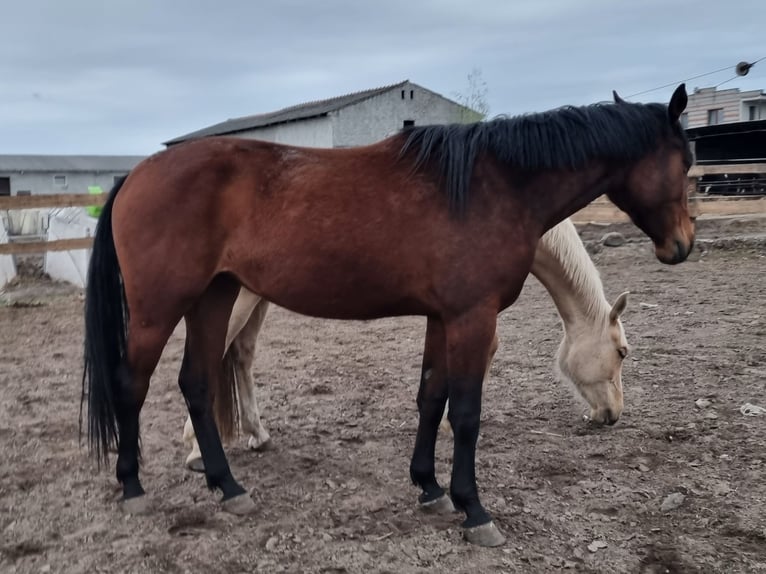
(440, 221)
(590, 355)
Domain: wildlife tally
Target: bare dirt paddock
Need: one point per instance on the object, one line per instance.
(339, 400)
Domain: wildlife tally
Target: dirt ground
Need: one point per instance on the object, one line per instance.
(339, 401)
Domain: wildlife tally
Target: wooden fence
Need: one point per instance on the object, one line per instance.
(48, 202)
(601, 210)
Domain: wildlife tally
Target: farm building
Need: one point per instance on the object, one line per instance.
(351, 120)
(46, 174)
(709, 107)
(53, 174)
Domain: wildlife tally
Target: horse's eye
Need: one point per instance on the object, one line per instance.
(623, 352)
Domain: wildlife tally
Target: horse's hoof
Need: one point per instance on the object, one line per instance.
(137, 505)
(240, 505)
(195, 464)
(485, 535)
(441, 505)
(253, 444)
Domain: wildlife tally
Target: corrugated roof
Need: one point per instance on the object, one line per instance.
(69, 163)
(298, 112)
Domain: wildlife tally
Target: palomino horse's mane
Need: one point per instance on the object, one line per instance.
(565, 138)
(564, 243)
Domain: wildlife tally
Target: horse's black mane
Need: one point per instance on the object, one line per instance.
(566, 138)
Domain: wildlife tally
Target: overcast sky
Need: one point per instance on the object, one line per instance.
(121, 76)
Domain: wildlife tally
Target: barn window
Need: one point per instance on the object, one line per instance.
(59, 180)
(408, 123)
(715, 117)
(402, 94)
(23, 192)
(412, 94)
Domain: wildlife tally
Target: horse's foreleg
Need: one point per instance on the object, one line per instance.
(469, 340)
(432, 396)
(445, 426)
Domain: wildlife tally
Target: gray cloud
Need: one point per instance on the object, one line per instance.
(86, 76)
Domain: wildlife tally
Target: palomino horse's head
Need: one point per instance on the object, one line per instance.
(591, 360)
(655, 190)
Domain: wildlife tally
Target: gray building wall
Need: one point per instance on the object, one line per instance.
(378, 117)
(311, 132)
(39, 183)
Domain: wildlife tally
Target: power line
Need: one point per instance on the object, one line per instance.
(693, 78)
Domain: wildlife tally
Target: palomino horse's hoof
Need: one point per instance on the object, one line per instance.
(441, 505)
(253, 444)
(240, 505)
(485, 535)
(195, 464)
(137, 505)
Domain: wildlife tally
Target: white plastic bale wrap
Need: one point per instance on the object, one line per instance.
(7, 266)
(69, 266)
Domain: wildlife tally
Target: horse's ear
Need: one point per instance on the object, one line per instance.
(617, 98)
(619, 306)
(677, 103)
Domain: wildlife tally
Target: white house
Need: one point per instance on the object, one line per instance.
(710, 106)
(351, 120)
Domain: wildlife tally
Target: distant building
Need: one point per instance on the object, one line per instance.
(709, 107)
(354, 119)
(46, 174)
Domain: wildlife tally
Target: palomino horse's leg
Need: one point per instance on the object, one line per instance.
(469, 341)
(244, 325)
(145, 346)
(244, 355)
(432, 396)
(201, 373)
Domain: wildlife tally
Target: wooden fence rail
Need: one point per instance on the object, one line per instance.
(601, 210)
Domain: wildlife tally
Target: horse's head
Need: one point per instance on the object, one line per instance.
(591, 359)
(655, 191)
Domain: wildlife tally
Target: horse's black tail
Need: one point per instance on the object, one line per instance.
(105, 335)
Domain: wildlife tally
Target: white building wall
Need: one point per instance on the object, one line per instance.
(38, 183)
(311, 132)
(383, 115)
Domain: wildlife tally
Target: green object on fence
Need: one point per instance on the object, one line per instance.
(94, 210)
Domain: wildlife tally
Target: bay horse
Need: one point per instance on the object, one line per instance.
(438, 221)
(589, 357)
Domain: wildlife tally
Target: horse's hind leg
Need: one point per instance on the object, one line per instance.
(244, 324)
(145, 346)
(243, 352)
(201, 374)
